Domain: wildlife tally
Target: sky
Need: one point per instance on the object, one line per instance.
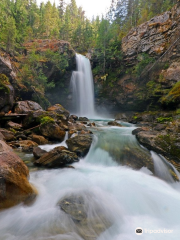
(91, 7)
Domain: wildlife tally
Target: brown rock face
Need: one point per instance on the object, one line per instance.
(8, 135)
(26, 107)
(59, 109)
(53, 131)
(58, 157)
(151, 37)
(80, 144)
(14, 186)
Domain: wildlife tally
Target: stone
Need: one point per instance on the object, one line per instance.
(25, 145)
(13, 125)
(14, 185)
(88, 223)
(38, 152)
(115, 124)
(53, 131)
(74, 117)
(6, 97)
(57, 158)
(40, 140)
(83, 119)
(1, 136)
(8, 135)
(59, 109)
(80, 144)
(23, 107)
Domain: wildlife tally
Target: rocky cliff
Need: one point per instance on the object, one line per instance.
(147, 77)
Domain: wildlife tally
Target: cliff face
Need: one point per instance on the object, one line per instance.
(152, 37)
(12, 68)
(149, 71)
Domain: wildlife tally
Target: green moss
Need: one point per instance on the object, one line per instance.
(45, 120)
(173, 96)
(4, 79)
(164, 119)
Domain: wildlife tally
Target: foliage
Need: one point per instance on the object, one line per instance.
(173, 96)
(46, 119)
(164, 119)
(4, 79)
(144, 60)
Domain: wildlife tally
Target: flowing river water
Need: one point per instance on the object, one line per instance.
(126, 198)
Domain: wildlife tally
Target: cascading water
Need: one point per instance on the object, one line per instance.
(82, 88)
(128, 199)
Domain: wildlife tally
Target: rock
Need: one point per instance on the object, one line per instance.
(52, 131)
(71, 132)
(114, 123)
(76, 126)
(22, 107)
(38, 152)
(26, 145)
(136, 159)
(13, 125)
(83, 119)
(90, 220)
(91, 124)
(160, 127)
(58, 157)
(33, 119)
(8, 135)
(80, 144)
(85, 132)
(6, 96)
(40, 140)
(74, 117)
(1, 136)
(59, 109)
(14, 185)
(21, 136)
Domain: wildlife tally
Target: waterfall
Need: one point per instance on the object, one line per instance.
(82, 88)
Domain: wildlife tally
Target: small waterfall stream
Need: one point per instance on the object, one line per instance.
(82, 87)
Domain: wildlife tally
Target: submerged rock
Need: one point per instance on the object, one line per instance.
(114, 123)
(58, 157)
(90, 223)
(80, 144)
(14, 185)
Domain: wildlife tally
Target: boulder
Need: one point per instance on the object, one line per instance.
(14, 185)
(59, 109)
(52, 131)
(1, 136)
(73, 117)
(38, 152)
(115, 124)
(80, 144)
(76, 126)
(22, 107)
(58, 157)
(8, 135)
(40, 140)
(26, 145)
(83, 119)
(88, 223)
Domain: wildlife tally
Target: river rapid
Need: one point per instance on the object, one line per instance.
(129, 199)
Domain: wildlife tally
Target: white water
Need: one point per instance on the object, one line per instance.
(129, 198)
(82, 87)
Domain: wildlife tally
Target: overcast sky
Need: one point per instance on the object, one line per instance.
(91, 7)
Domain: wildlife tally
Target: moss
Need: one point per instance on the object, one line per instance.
(45, 120)
(164, 119)
(4, 79)
(173, 97)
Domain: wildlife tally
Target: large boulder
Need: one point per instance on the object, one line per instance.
(14, 185)
(53, 131)
(80, 144)
(58, 157)
(22, 107)
(59, 109)
(40, 140)
(89, 224)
